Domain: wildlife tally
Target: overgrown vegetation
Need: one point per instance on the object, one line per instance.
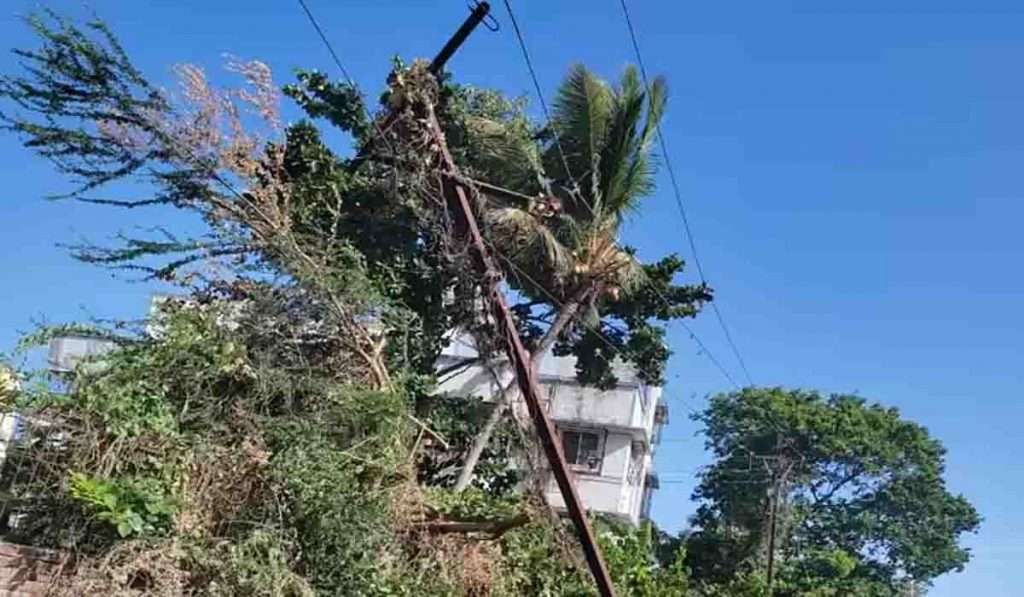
(273, 429)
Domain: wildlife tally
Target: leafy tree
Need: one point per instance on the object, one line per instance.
(259, 434)
(562, 249)
(860, 504)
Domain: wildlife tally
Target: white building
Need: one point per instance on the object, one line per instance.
(608, 436)
(67, 351)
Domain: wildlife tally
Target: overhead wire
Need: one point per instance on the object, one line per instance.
(522, 274)
(679, 200)
(544, 105)
(344, 71)
(703, 348)
(560, 304)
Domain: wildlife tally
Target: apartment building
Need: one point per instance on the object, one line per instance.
(608, 436)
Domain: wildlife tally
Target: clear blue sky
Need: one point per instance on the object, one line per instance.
(854, 179)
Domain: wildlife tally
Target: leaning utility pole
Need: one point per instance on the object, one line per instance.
(457, 196)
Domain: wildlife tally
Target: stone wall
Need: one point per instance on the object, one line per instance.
(27, 571)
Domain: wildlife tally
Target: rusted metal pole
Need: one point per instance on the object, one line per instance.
(474, 19)
(520, 358)
(456, 193)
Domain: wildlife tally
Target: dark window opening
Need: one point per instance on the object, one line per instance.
(583, 450)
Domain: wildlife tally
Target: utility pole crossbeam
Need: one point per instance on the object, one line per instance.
(456, 194)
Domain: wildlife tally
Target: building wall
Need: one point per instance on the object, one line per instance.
(624, 416)
(618, 489)
(8, 429)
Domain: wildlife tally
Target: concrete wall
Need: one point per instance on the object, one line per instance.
(614, 490)
(8, 428)
(624, 408)
(67, 351)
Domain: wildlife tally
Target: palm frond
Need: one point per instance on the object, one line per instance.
(582, 111)
(627, 162)
(656, 101)
(606, 134)
(528, 241)
(513, 155)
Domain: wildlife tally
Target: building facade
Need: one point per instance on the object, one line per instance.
(608, 437)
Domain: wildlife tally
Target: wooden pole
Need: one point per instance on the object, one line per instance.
(772, 513)
(476, 16)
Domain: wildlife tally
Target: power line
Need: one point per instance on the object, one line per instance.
(341, 67)
(558, 146)
(554, 299)
(323, 38)
(544, 104)
(707, 352)
(519, 272)
(678, 197)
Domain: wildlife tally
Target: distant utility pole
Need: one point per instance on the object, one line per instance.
(773, 500)
(778, 483)
(457, 195)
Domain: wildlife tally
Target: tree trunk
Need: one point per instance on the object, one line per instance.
(483, 438)
(480, 442)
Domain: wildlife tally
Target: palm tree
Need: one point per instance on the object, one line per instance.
(596, 166)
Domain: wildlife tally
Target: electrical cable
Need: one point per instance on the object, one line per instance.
(344, 71)
(679, 201)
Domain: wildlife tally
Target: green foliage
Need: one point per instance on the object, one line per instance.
(337, 476)
(458, 420)
(533, 565)
(259, 564)
(865, 502)
(491, 137)
(629, 554)
(340, 103)
(606, 133)
(136, 506)
(471, 504)
(139, 387)
(258, 437)
(43, 334)
(82, 76)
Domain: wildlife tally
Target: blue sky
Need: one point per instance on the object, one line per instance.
(853, 176)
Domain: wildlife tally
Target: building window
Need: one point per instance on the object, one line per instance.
(583, 450)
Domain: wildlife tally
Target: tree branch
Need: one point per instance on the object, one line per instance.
(464, 363)
(496, 528)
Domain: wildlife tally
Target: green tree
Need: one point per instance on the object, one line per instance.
(860, 505)
(562, 248)
(259, 436)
